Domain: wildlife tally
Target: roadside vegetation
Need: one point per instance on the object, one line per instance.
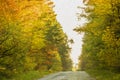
(103, 75)
(32, 42)
(101, 41)
(31, 75)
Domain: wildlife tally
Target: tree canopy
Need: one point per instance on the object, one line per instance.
(31, 39)
(101, 42)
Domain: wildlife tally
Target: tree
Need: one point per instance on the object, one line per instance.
(31, 38)
(11, 43)
(101, 39)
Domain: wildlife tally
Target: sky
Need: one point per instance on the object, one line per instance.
(66, 11)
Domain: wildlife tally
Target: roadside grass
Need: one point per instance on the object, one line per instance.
(104, 75)
(31, 75)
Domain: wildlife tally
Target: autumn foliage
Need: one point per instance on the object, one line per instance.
(101, 42)
(31, 38)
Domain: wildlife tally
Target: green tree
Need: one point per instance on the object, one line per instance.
(101, 38)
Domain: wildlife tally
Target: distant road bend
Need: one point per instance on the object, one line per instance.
(69, 75)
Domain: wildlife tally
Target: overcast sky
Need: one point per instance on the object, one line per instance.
(66, 11)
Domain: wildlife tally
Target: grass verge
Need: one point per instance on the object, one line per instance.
(31, 75)
(104, 75)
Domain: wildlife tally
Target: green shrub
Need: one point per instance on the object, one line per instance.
(104, 75)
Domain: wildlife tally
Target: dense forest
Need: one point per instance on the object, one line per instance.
(32, 42)
(101, 41)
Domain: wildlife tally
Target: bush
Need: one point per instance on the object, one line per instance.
(104, 75)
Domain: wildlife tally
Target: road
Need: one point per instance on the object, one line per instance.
(69, 75)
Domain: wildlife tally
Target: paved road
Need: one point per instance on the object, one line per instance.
(69, 75)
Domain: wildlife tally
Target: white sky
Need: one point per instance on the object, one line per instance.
(66, 11)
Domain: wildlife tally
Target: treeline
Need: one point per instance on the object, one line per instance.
(101, 42)
(31, 39)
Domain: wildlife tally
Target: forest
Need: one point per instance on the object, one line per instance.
(32, 41)
(101, 42)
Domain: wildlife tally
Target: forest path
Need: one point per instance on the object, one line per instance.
(68, 75)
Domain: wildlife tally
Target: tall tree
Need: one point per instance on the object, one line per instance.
(101, 39)
(30, 38)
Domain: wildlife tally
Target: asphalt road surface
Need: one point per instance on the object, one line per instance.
(69, 75)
